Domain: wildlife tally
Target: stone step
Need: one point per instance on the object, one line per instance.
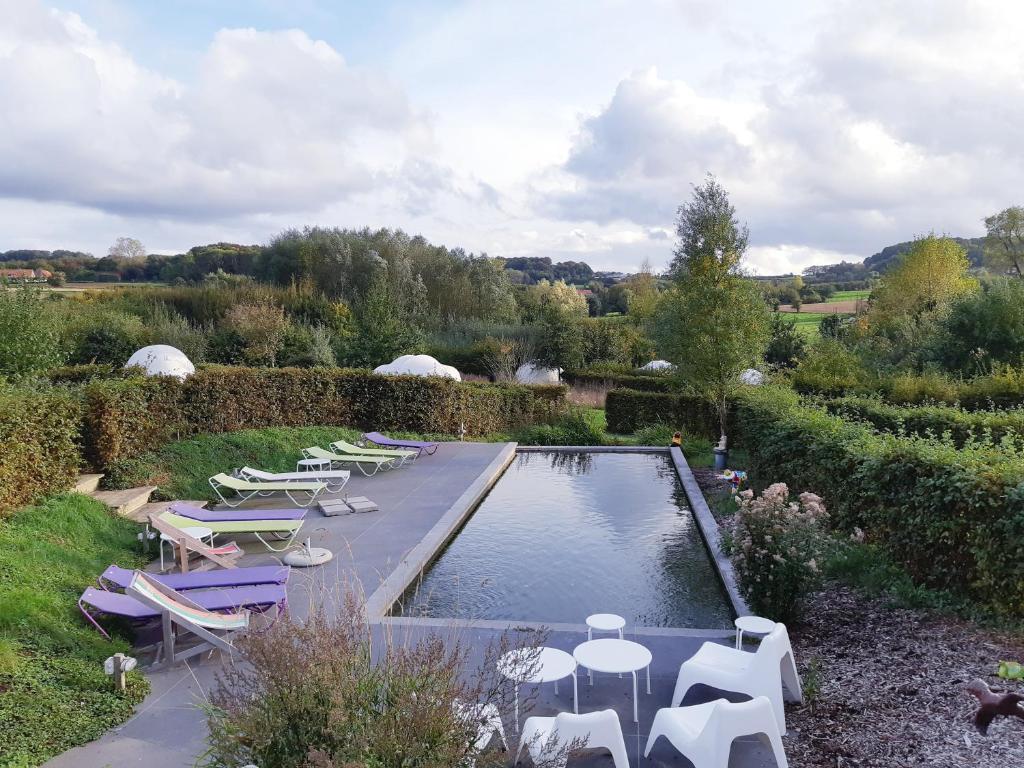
(87, 484)
(141, 515)
(125, 502)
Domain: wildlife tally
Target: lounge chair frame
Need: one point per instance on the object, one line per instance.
(244, 489)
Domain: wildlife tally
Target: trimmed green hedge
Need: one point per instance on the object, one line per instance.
(650, 383)
(932, 420)
(953, 517)
(39, 453)
(125, 418)
(628, 410)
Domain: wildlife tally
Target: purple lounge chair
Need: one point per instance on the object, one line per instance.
(94, 602)
(234, 515)
(386, 442)
(119, 578)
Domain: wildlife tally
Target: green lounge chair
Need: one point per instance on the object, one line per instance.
(368, 465)
(347, 449)
(245, 489)
(284, 530)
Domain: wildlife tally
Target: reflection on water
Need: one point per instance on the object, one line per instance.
(564, 535)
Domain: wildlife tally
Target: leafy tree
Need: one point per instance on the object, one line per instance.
(262, 327)
(931, 275)
(127, 249)
(643, 293)
(561, 343)
(786, 346)
(714, 323)
(381, 334)
(1004, 240)
(711, 239)
(832, 326)
(985, 328)
(30, 340)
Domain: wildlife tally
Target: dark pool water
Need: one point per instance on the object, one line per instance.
(561, 536)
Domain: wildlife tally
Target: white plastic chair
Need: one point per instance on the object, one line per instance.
(487, 719)
(704, 733)
(589, 731)
(762, 673)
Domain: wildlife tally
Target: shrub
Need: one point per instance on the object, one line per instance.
(323, 693)
(628, 410)
(572, 429)
(105, 336)
(829, 368)
(127, 417)
(954, 518)
(261, 327)
(777, 548)
(29, 341)
(618, 376)
(38, 445)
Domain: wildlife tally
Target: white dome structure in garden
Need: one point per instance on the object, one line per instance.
(657, 365)
(531, 373)
(162, 360)
(752, 376)
(417, 365)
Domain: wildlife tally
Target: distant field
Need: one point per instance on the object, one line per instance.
(79, 287)
(824, 308)
(850, 295)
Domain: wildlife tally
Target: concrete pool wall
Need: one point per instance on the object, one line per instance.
(420, 557)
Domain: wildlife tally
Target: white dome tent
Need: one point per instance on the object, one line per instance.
(162, 360)
(752, 377)
(531, 373)
(657, 365)
(417, 365)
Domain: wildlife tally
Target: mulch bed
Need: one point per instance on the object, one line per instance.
(891, 684)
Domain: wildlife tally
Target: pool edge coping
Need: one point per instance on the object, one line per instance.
(416, 559)
(711, 532)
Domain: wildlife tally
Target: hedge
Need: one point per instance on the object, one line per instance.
(39, 453)
(933, 420)
(650, 383)
(953, 517)
(628, 410)
(124, 418)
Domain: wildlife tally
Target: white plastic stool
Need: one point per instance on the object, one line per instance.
(755, 625)
(312, 465)
(604, 622)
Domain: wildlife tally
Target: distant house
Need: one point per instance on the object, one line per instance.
(584, 292)
(26, 275)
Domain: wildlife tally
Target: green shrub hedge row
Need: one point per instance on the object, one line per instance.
(125, 417)
(953, 517)
(38, 450)
(932, 420)
(628, 410)
(619, 380)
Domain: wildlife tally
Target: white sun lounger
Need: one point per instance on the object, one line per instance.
(334, 479)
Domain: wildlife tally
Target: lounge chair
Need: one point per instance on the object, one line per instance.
(386, 442)
(588, 731)
(117, 578)
(284, 530)
(486, 719)
(761, 673)
(334, 479)
(224, 555)
(246, 489)
(704, 733)
(347, 449)
(95, 602)
(201, 515)
(175, 609)
(368, 465)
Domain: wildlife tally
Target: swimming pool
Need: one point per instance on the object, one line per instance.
(563, 535)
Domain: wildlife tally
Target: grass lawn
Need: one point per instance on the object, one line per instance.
(806, 322)
(53, 692)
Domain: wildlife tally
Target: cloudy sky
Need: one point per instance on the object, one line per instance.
(528, 128)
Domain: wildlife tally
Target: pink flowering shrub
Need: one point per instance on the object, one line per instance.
(777, 547)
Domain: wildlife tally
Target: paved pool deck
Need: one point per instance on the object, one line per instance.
(419, 505)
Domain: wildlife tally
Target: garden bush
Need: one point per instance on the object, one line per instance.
(628, 379)
(39, 453)
(571, 429)
(778, 546)
(939, 421)
(125, 418)
(630, 410)
(953, 517)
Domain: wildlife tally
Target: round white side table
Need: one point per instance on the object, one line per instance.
(195, 531)
(616, 657)
(604, 622)
(753, 625)
(313, 465)
(547, 665)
